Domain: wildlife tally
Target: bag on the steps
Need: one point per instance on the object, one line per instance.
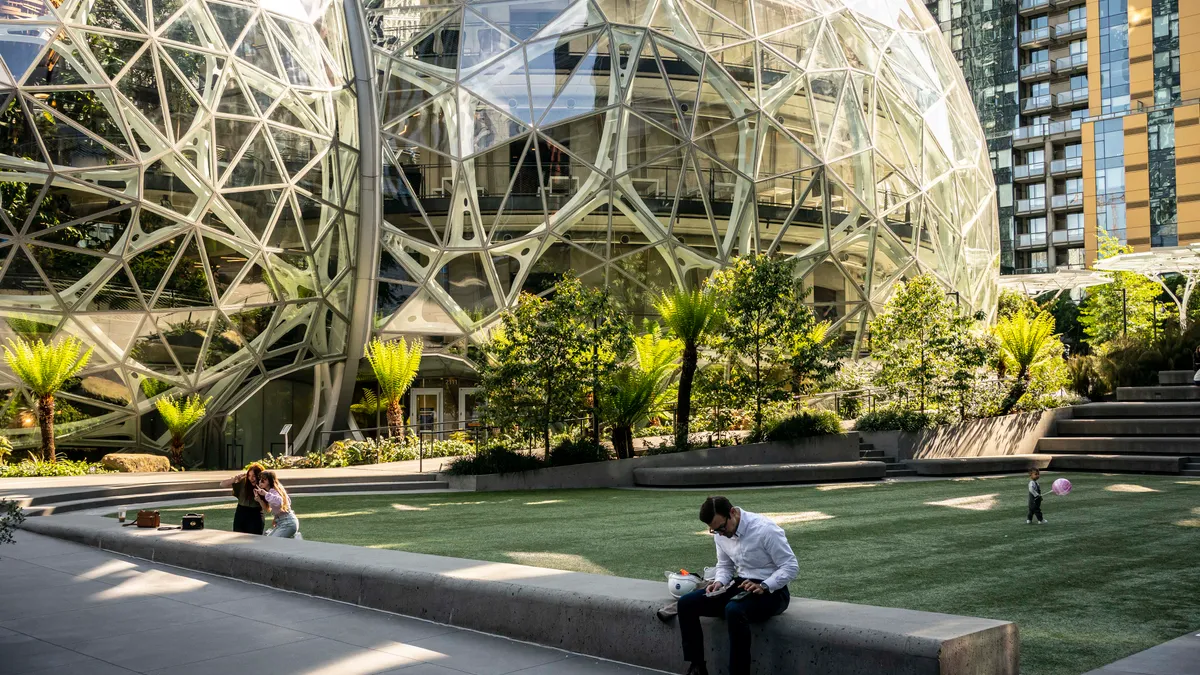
(148, 519)
(193, 521)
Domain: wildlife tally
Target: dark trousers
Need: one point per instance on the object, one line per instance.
(738, 617)
(248, 519)
(1035, 508)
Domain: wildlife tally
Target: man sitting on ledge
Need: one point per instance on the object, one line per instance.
(754, 566)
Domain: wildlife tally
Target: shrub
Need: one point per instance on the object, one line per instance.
(804, 424)
(5, 449)
(11, 517)
(582, 451)
(36, 468)
(495, 458)
(1086, 377)
(451, 447)
(900, 420)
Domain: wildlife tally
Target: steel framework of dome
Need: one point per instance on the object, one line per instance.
(174, 183)
(643, 143)
(187, 184)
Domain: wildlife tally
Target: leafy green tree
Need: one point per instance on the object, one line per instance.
(180, 414)
(764, 315)
(1027, 342)
(1127, 301)
(691, 316)
(814, 360)
(925, 347)
(659, 354)
(548, 354)
(395, 363)
(44, 368)
(627, 402)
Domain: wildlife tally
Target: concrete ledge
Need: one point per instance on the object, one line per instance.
(1174, 393)
(1121, 445)
(602, 616)
(757, 474)
(958, 466)
(620, 472)
(1170, 378)
(1119, 463)
(1177, 657)
(1138, 409)
(1149, 426)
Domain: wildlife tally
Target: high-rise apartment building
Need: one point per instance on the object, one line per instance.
(1092, 116)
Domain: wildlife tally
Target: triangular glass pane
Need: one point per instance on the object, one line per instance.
(23, 46)
(18, 138)
(231, 19)
(824, 91)
(150, 266)
(779, 154)
(104, 14)
(91, 109)
(187, 284)
(69, 145)
(255, 49)
(577, 138)
(286, 233)
(181, 104)
(116, 294)
(139, 84)
(523, 18)
(296, 150)
(257, 166)
(796, 43)
(649, 93)
(425, 127)
(550, 63)
(117, 50)
(827, 54)
(137, 10)
(491, 127)
(183, 30)
(263, 98)
(850, 132)
(481, 43)
(670, 20)
(739, 61)
(63, 64)
(253, 287)
(163, 9)
(289, 112)
(771, 15)
(406, 89)
(21, 277)
(504, 83)
(721, 97)
(684, 66)
(589, 88)
(714, 30)
(734, 144)
(233, 99)
(65, 268)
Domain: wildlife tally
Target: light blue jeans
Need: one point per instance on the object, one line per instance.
(286, 525)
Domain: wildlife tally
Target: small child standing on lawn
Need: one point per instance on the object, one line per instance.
(1035, 498)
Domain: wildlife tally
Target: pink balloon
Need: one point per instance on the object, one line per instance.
(1061, 486)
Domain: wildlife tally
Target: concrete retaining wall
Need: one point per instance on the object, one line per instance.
(962, 466)
(757, 474)
(608, 617)
(619, 473)
(1008, 435)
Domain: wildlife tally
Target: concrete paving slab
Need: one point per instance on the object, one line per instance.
(1180, 656)
(140, 617)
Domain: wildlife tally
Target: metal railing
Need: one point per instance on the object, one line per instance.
(1067, 236)
(1031, 5)
(1034, 170)
(1034, 131)
(1035, 35)
(1032, 205)
(1031, 239)
(1072, 98)
(1035, 103)
(1068, 201)
(1068, 165)
(1039, 69)
(1070, 28)
(1071, 62)
(850, 403)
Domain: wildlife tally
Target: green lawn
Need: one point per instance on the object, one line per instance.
(1114, 571)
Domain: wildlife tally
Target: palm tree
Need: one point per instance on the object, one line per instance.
(395, 363)
(180, 414)
(656, 353)
(690, 315)
(44, 368)
(629, 400)
(1025, 342)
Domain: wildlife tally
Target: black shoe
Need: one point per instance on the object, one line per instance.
(697, 668)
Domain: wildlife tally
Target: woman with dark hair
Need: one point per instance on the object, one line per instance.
(248, 517)
(272, 493)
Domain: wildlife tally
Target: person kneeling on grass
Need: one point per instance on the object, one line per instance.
(755, 563)
(272, 493)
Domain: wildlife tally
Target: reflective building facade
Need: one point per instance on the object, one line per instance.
(217, 233)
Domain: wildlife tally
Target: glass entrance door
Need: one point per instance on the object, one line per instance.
(426, 408)
(469, 401)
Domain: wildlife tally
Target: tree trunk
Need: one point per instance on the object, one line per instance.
(45, 413)
(683, 403)
(623, 441)
(395, 417)
(177, 451)
(1016, 392)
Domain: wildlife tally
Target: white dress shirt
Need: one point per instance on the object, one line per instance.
(758, 550)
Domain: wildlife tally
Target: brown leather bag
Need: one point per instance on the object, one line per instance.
(148, 519)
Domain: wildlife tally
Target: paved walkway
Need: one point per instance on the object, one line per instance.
(73, 609)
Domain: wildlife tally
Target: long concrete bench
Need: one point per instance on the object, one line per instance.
(757, 474)
(1180, 656)
(601, 616)
(1119, 463)
(959, 466)
(1120, 445)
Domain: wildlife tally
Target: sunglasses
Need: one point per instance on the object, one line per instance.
(723, 529)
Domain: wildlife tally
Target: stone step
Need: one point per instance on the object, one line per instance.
(1158, 394)
(899, 473)
(1117, 463)
(1190, 472)
(756, 474)
(1184, 426)
(77, 504)
(1174, 378)
(1136, 410)
(870, 453)
(1120, 445)
(862, 445)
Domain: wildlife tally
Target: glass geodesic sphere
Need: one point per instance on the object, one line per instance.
(174, 183)
(643, 143)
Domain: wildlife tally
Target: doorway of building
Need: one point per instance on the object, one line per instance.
(426, 408)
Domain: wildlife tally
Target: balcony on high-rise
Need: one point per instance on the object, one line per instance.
(1066, 167)
(1067, 237)
(1036, 103)
(1072, 63)
(1037, 71)
(1064, 4)
(1032, 6)
(1033, 170)
(1031, 239)
(1035, 36)
(1072, 98)
(1032, 205)
(1071, 200)
(1070, 29)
